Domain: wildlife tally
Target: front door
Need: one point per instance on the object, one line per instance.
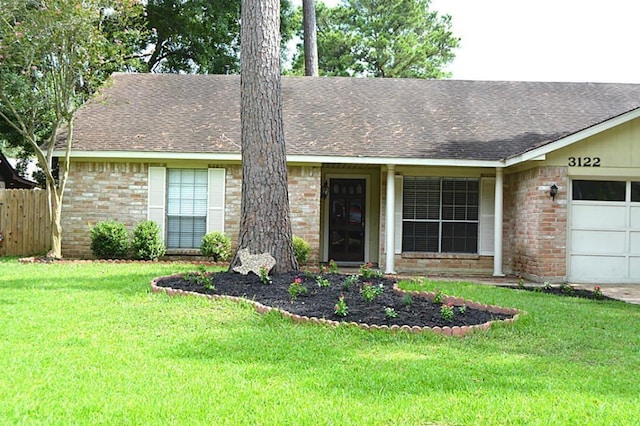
(346, 219)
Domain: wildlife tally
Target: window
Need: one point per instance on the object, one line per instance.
(440, 215)
(599, 190)
(186, 207)
(635, 192)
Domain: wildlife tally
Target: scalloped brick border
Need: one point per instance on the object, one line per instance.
(447, 331)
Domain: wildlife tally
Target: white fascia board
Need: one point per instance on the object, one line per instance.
(294, 158)
(573, 138)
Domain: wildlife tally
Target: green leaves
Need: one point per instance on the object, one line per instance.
(383, 38)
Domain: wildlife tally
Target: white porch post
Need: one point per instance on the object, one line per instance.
(497, 229)
(389, 227)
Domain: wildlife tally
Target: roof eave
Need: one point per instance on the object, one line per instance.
(573, 138)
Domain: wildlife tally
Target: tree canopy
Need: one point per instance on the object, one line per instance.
(382, 38)
(200, 36)
(53, 55)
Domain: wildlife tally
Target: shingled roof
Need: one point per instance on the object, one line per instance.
(349, 117)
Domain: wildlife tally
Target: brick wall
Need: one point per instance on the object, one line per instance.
(99, 191)
(535, 226)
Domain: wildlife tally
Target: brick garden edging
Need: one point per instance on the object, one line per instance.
(447, 331)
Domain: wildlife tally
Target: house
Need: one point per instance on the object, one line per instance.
(9, 178)
(418, 176)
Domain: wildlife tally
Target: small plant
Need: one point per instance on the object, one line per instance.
(597, 292)
(520, 282)
(566, 289)
(341, 309)
(216, 246)
(301, 249)
(446, 312)
(146, 243)
(407, 299)
(199, 278)
(438, 296)
(367, 272)
(349, 281)
(109, 240)
(462, 309)
(390, 313)
(264, 276)
(323, 282)
(333, 267)
(546, 285)
(370, 292)
(296, 288)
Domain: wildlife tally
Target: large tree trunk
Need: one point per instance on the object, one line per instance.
(265, 226)
(310, 39)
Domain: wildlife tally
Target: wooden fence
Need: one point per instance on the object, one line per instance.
(24, 222)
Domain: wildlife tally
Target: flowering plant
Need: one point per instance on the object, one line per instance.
(367, 272)
(341, 309)
(370, 292)
(296, 288)
(264, 275)
(446, 312)
(597, 292)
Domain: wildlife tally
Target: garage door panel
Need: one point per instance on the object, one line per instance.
(634, 218)
(599, 217)
(634, 266)
(598, 267)
(598, 242)
(634, 242)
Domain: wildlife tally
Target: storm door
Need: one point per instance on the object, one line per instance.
(347, 219)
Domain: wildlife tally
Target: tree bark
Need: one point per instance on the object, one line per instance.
(265, 226)
(310, 39)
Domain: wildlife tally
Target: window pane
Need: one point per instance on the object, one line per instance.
(421, 198)
(635, 191)
(186, 207)
(459, 237)
(420, 236)
(599, 190)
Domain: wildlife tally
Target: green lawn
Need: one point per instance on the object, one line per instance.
(89, 344)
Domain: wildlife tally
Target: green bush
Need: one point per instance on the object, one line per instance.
(301, 249)
(147, 243)
(109, 240)
(216, 246)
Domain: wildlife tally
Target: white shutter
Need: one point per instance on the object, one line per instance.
(487, 214)
(398, 215)
(156, 197)
(215, 204)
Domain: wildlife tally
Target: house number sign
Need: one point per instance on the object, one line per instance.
(584, 161)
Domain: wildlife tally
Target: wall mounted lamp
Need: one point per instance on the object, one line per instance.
(324, 191)
(553, 191)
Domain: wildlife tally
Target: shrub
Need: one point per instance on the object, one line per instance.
(301, 249)
(146, 243)
(216, 245)
(109, 240)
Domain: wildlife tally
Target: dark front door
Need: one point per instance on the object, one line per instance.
(346, 219)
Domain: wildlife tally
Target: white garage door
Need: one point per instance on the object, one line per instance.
(604, 231)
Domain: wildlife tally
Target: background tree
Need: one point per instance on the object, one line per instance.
(200, 36)
(382, 38)
(310, 38)
(265, 226)
(53, 55)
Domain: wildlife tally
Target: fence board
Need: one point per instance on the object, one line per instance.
(24, 222)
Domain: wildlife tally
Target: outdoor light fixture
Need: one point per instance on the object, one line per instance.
(324, 191)
(553, 191)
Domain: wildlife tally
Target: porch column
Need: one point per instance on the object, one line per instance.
(497, 229)
(390, 225)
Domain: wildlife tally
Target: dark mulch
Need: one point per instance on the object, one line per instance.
(320, 302)
(565, 291)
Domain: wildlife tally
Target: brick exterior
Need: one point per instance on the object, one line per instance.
(98, 191)
(535, 226)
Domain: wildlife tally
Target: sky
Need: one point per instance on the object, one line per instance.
(544, 40)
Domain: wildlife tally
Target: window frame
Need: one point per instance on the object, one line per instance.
(441, 222)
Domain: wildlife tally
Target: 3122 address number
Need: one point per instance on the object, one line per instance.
(584, 161)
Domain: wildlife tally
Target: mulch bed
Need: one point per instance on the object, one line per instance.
(564, 291)
(319, 302)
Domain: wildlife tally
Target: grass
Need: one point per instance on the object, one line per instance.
(89, 344)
